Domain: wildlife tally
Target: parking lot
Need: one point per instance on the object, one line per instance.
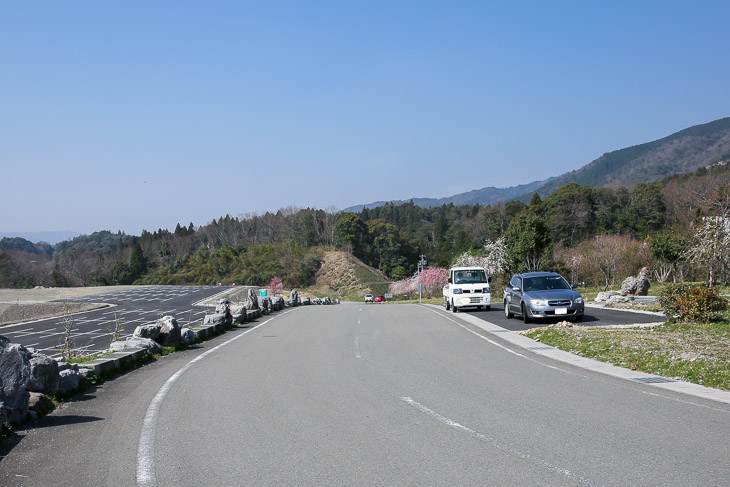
(91, 331)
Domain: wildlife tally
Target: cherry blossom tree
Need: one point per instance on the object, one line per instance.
(433, 279)
(275, 286)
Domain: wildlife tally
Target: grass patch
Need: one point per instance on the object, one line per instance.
(697, 353)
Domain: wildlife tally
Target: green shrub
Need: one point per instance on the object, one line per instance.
(686, 303)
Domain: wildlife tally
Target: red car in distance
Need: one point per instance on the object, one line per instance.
(379, 299)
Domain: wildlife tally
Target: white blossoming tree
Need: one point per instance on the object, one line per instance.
(493, 257)
(711, 246)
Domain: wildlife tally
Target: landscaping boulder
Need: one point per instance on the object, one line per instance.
(132, 343)
(151, 331)
(169, 332)
(187, 335)
(40, 403)
(265, 303)
(252, 302)
(44, 373)
(603, 296)
(69, 381)
(217, 319)
(277, 303)
(14, 377)
(294, 297)
(238, 313)
(636, 286)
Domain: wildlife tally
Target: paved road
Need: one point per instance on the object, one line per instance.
(133, 307)
(371, 395)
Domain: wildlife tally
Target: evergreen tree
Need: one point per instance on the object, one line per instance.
(138, 262)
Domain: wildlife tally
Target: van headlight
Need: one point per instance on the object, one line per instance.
(457, 291)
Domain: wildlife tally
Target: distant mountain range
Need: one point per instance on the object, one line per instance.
(51, 237)
(682, 152)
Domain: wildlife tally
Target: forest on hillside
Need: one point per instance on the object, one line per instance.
(571, 230)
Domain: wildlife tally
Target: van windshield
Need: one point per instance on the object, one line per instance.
(471, 276)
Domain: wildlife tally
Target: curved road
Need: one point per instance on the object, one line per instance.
(371, 395)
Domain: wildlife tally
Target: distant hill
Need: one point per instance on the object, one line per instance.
(50, 237)
(484, 196)
(679, 153)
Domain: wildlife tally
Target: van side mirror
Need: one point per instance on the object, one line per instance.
(489, 279)
(449, 280)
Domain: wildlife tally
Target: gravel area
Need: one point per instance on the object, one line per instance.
(19, 305)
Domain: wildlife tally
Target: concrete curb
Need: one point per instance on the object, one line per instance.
(538, 348)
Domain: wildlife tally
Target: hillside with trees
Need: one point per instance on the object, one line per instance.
(678, 226)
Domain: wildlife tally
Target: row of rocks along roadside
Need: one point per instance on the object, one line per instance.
(28, 378)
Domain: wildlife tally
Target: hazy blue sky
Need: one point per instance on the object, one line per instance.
(132, 115)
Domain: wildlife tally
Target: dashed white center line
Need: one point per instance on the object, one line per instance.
(492, 441)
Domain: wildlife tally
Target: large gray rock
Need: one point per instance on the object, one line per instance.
(14, 377)
(252, 302)
(214, 319)
(44, 374)
(636, 286)
(69, 381)
(151, 331)
(294, 297)
(40, 402)
(238, 313)
(277, 303)
(603, 296)
(145, 343)
(169, 332)
(187, 335)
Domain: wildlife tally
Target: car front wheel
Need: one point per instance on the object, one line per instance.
(525, 318)
(507, 312)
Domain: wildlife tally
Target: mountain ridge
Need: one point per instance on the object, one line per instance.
(681, 152)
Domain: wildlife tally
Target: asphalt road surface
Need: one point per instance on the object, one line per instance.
(370, 395)
(592, 317)
(92, 330)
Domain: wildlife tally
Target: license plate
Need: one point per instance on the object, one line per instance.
(561, 311)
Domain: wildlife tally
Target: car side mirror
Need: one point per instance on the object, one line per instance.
(515, 288)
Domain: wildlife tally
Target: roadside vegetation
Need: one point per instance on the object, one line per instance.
(693, 345)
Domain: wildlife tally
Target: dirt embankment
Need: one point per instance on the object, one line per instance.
(342, 274)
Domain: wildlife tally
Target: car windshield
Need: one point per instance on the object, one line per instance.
(470, 276)
(545, 283)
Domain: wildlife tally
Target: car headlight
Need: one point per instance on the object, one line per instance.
(457, 291)
(538, 302)
(578, 300)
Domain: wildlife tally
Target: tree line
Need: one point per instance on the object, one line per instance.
(615, 229)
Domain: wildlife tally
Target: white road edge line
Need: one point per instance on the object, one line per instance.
(493, 442)
(146, 449)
